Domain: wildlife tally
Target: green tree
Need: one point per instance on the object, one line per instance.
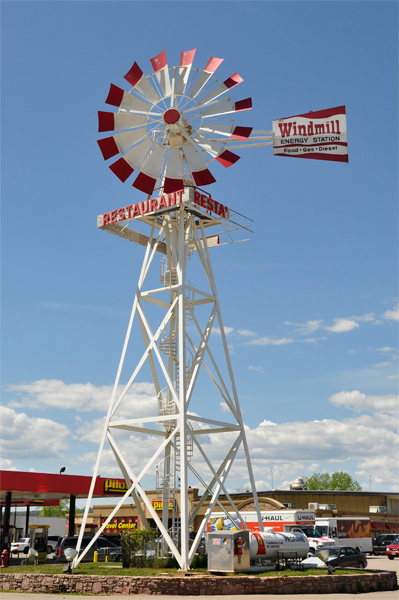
(339, 480)
(57, 511)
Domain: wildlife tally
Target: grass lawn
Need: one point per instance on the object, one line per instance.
(110, 569)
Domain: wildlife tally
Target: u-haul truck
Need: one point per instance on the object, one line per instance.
(280, 520)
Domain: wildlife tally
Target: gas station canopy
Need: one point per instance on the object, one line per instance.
(37, 488)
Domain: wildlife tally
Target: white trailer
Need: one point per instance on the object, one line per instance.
(347, 531)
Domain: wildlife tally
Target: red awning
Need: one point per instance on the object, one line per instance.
(385, 526)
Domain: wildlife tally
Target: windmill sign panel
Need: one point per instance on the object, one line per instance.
(320, 135)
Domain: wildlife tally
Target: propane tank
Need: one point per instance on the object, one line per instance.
(266, 544)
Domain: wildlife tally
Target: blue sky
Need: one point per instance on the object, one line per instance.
(310, 302)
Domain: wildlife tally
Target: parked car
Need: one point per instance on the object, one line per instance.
(52, 542)
(101, 545)
(342, 557)
(21, 546)
(393, 549)
(381, 542)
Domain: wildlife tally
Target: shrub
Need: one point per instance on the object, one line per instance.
(138, 547)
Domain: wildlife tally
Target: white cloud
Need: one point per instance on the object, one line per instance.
(385, 349)
(392, 315)
(30, 437)
(365, 318)
(257, 369)
(342, 325)
(246, 333)
(308, 327)
(360, 402)
(227, 330)
(82, 397)
(266, 341)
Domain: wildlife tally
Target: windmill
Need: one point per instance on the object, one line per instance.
(168, 128)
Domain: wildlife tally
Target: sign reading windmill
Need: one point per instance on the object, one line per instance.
(168, 129)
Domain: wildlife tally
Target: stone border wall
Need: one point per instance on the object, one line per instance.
(199, 585)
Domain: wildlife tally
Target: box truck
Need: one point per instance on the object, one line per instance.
(347, 531)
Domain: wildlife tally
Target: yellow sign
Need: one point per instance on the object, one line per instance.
(158, 504)
(112, 486)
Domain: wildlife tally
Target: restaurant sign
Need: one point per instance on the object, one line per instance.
(166, 202)
(320, 135)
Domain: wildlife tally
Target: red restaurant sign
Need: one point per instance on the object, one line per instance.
(320, 135)
(163, 203)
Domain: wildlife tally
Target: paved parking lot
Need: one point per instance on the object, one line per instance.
(381, 562)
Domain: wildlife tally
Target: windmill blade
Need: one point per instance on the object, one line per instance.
(160, 66)
(222, 88)
(216, 128)
(144, 183)
(227, 108)
(153, 164)
(193, 158)
(139, 81)
(125, 141)
(117, 121)
(172, 185)
(137, 155)
(121, 99)
(224, 108)
(239, 133)
(174, 165)
(227, 158)
(203, 177)
(209, 146)
(211, 66)
(121, 169)
(186, 61)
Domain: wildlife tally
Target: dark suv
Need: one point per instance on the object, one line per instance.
(101, 545)
(381, 542)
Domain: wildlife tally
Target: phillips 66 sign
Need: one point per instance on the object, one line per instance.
(321, 135)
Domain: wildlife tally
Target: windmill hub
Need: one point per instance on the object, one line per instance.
(171, 116)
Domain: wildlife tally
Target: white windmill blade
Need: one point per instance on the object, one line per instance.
(216, 128)
(193, 158)
(125, 141)
(160, 66)
(174, 165)
(121, 99)
(209, 146)
(136, 156)
(211, 66)
(227, 108)
(186, 61)
(235, 132)
(128, 121)
(108, 121)
(222, 88)
(140, 83)
(224, 108)
(153, 164)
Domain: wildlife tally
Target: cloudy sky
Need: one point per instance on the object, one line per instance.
(309, 304)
